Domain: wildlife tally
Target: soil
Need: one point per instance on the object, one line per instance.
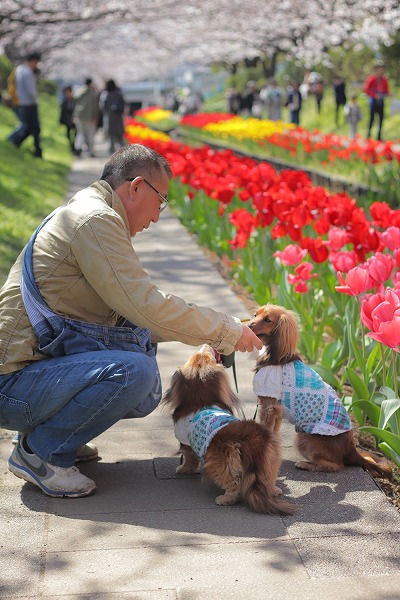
(364, 441)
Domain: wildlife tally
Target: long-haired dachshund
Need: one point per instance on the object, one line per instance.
(242, 457)
(323, 426)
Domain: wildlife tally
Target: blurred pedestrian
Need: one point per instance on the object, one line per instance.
(86, 111)
(66, 115)
(377, 89)
(233, 101)
(339, 90)
(27, 108)
(353, 114)
(114, 108)
(272, 98)
(293, 102)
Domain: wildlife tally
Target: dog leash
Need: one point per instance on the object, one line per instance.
(228, 361)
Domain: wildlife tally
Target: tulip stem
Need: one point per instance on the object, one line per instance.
(383, 365)
(395, 381)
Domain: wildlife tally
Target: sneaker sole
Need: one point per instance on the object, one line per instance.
(26, 475)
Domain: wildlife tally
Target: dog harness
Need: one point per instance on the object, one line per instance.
(310, 403)
(198, 429)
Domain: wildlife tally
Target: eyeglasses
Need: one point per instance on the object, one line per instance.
(164, 199)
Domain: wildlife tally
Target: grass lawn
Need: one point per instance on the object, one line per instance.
(30, 187)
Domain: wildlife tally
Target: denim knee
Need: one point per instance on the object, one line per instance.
(143, 388)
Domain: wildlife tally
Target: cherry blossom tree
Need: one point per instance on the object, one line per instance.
(146, 39)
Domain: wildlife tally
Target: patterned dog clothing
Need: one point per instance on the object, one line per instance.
(310, 403)
(197, 429)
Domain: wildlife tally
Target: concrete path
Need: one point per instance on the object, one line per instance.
(148, 534)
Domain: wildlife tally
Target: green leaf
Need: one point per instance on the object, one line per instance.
(388, 392)
(357, 384)
(388, 410)
(387, 436)
(354, 346)
(389, 452)
(369, 408)
(328, 354)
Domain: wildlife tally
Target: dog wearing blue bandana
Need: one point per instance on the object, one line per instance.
(241, 456)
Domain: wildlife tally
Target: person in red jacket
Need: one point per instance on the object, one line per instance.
(377, 89)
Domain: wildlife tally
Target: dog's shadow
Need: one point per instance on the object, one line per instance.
(149, 494)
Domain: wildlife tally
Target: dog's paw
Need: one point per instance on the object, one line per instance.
(277, 491)
(225, 500)
(304, 466)
(182, 469)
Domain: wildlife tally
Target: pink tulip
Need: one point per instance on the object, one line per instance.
(343, 261)
(357, 282)
(303, 274)
(291, 255)
(337, 238)
(380, 267)
(391, 238)
(369, 303)
(388, 332)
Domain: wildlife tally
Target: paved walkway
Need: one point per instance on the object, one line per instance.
(148, 534)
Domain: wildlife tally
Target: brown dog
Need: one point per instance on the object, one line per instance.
(242, 457)
(324, 435)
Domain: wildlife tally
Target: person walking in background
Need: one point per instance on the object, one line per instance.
(27, 108)
(339, 90)
(353, 114)
(271, 95)
(318, 91)
(86, 112)
(232, 98)
(66, 115)
(377, 89)
(113, 110)
(247, 98)
(293, 102)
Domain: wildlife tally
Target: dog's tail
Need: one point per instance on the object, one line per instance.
(259, 475)
(260, 499)
(367, 462)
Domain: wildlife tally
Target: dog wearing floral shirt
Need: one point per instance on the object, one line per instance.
(324, 429)
(241, 456)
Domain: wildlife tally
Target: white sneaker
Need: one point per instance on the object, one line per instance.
(83, 454)
(54, 481)
(86, 453)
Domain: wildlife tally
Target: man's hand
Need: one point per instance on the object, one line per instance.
(248, 341)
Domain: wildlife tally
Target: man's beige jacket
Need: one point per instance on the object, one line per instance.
(86, 269)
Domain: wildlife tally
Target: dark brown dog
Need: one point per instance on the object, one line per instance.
(278, 329)
(243, 457)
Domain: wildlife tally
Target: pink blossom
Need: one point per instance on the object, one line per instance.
(343, 261)
(337, 238)
(357, 282)
(391, 238)
(291, 255)
(380, 267)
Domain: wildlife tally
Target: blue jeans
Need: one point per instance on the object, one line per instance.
(29, 117)
(62, 403)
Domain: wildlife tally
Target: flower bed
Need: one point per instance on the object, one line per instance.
(320, 254)
(364, 161)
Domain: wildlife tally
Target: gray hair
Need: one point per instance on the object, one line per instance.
(132, 161)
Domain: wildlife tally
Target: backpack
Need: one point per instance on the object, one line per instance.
(117, 105)
(10, 96)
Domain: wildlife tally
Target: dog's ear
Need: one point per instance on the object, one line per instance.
(284, 338)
